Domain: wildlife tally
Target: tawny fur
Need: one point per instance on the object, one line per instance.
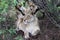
(28, 23)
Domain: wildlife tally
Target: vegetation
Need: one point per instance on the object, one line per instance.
(8, 17)
(7, 20)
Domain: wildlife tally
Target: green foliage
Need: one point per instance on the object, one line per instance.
(5, 5)
(59, 8)
(12, 31)
(39, 14)
(19, 38)
(22, 2)
(2, 32)
(53, 9)
(7, 19)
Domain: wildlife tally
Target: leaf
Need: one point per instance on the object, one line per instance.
(19, 38)
(15, 2)
(1, 32)
(12, 31)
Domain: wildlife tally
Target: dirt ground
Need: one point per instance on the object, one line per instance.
(48, 31)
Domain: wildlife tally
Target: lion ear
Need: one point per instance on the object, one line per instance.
(34, 8)
(35, 11)
(21, 9)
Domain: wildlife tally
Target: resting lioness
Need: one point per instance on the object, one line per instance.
(28, 22)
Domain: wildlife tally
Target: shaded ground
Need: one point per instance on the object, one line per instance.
(48, 31)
